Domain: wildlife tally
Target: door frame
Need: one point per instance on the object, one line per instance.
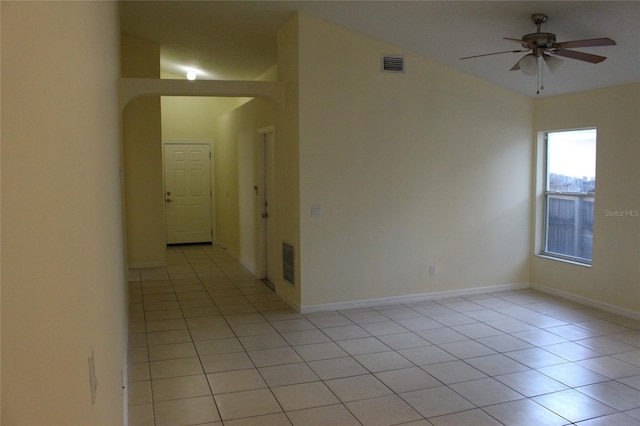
(212, 187)
(261, 172)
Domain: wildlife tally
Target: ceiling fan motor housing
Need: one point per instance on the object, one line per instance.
(541, 40)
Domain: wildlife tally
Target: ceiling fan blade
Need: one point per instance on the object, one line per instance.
(495, 53)
(516, 67)
(585, 43)
(524, 44)
(580, 56)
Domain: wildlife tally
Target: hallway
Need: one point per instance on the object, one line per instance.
(209, 343)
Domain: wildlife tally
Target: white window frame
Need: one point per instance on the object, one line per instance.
(579, 197)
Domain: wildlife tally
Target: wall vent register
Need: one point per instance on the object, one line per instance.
(393, 63)
(288, 270)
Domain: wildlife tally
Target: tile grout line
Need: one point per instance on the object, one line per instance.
(511, 312)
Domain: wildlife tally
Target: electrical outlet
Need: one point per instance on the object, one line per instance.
(432, 271)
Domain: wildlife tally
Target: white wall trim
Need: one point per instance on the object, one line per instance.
(286, 299)
(267, 129)
(124, 377)
(361, 303)
(588, 302)
(132, 88)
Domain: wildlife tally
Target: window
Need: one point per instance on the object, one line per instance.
(570, 190)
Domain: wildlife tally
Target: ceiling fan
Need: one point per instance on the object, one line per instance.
(543, 48)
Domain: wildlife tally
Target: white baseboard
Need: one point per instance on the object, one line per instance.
(286, 299)
(125, 391)
(147, 265)
(420, 297)
(588, 302)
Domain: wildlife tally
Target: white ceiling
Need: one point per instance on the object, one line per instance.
(237, 39)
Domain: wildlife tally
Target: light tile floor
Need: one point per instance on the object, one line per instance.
(210, 345)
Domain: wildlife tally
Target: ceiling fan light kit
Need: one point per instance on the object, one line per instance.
(544, 49)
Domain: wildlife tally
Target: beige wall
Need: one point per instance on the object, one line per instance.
(614, 277)
(236, 153)
(426, 168)
(231, 126)
(194, 117)
(142, 144)
(288, 156)
(63, 280)
(0, 228)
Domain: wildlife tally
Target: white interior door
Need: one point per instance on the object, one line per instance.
(187, 183)
(269, 242)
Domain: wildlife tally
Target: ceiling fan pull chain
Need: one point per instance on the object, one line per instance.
(538, 73)
(541, 74)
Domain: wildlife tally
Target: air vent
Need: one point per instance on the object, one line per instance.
(287, 263)
(392, 63)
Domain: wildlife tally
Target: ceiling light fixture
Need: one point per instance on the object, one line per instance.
(533, 64)
(529, 64)
(191, 75)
